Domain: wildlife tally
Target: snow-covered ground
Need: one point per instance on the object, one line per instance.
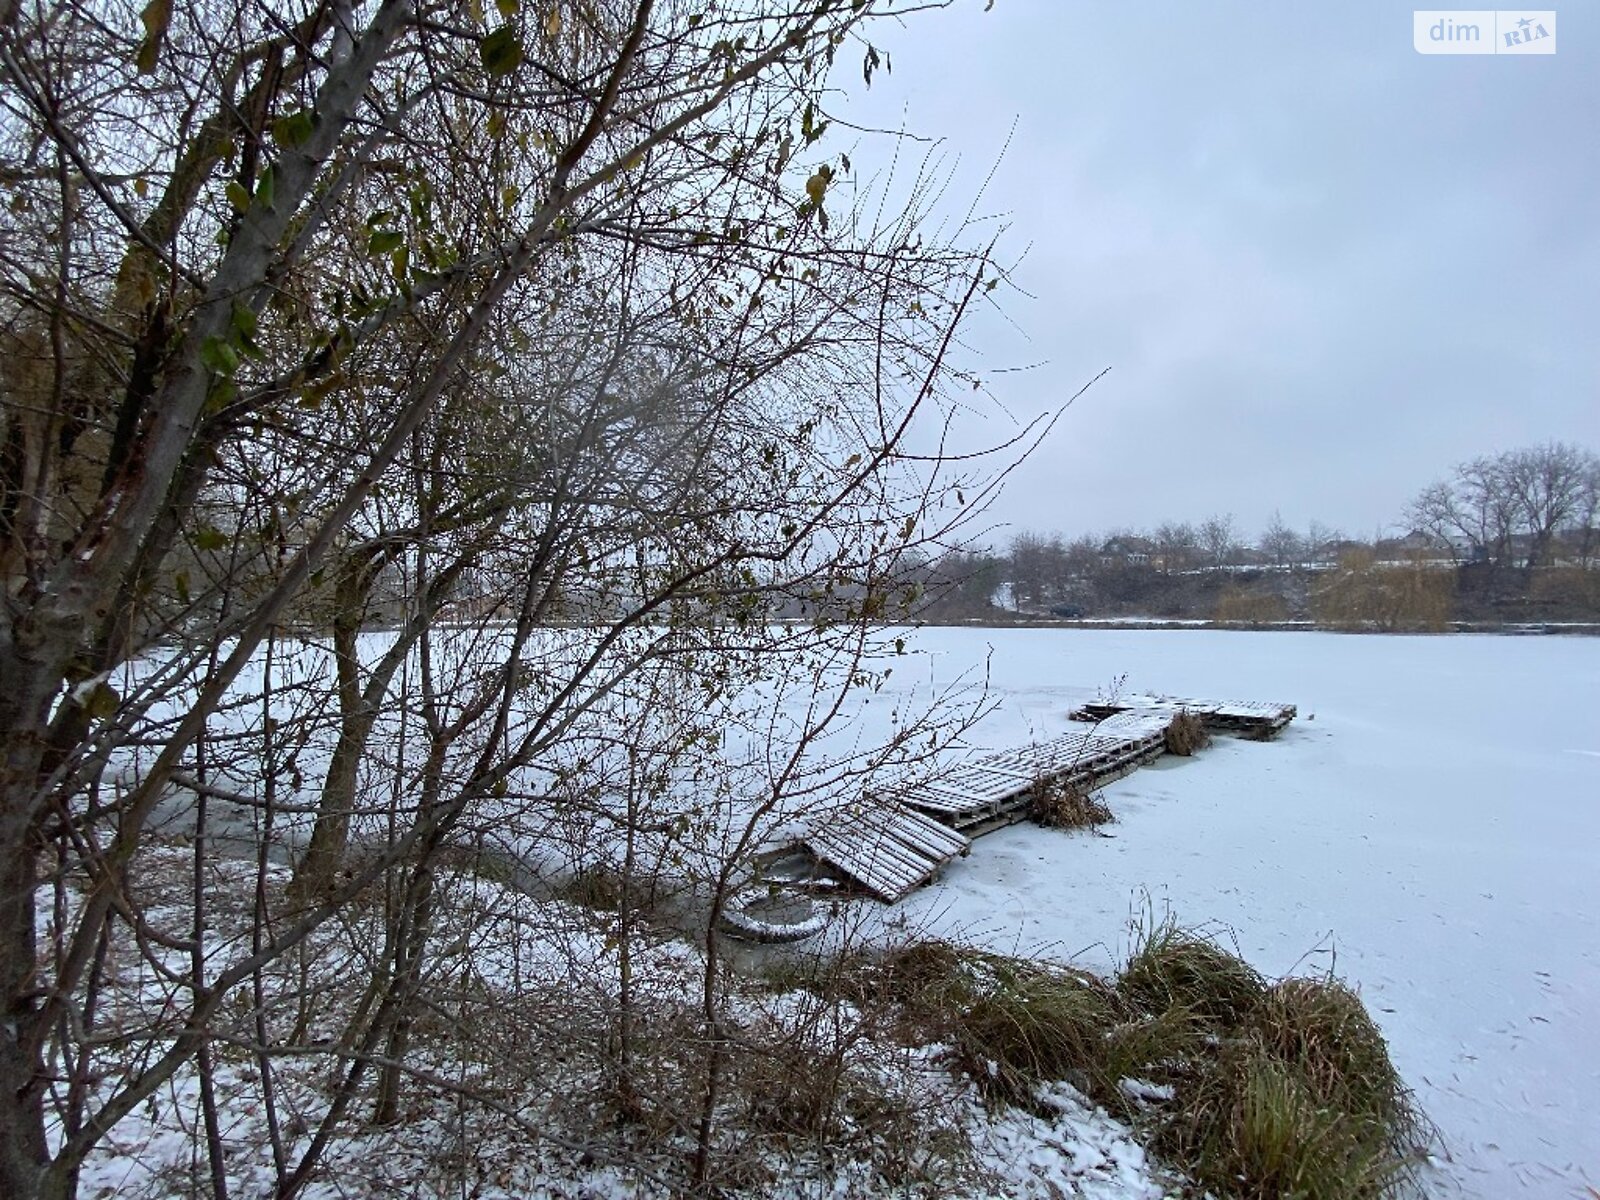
(1429, 827)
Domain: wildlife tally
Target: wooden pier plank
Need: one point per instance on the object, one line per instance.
(888, 849)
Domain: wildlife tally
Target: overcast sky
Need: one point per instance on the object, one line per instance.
(1322, 267)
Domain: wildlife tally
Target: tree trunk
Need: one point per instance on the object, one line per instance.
(331, 832)
(25, 702)
(23, 1150)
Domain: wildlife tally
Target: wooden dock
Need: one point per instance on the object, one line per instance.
(900, 836)
(1248, 718)
(886, 849)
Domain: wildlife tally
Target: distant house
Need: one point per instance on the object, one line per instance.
(1415, 545)
(1126, 552)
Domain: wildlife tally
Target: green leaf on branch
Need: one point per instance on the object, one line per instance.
(384, 241)
(508, 8)
(501, 51)
(223, 393)
(102, 702)
(218, 357)
(265, 187)
(238, 195)
(157, 15)
(209, 537)
(809, 128)
(244, 331)
(294, 129)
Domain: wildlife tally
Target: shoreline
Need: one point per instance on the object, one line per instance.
(1030, 621)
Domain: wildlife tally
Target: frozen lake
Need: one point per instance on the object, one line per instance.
(1429, 826)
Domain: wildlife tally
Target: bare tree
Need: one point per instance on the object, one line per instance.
(1492, 502)
(1475, 507)
(1588, 517)
(1548, 485)
(1280, 543)
(317, 312)
(1177, 544)
(1319, 540)
(1217, 539)
(1031, 569)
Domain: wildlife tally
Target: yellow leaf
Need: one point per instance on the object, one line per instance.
(552, 21)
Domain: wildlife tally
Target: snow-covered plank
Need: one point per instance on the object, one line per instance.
(1258, 717)
(880, 874)
(886, 848)
(981, 789)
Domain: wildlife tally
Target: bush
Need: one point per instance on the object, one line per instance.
(1389, 596)
(1566, 588)
(596, 887)
(1063, 804)
(1250, 608)
(1185, 734)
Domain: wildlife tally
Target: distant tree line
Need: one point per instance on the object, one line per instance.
(1516, 528)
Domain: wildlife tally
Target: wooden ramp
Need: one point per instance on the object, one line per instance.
(885, 848)
(1248, 718)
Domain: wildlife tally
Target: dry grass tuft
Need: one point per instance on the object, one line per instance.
(1251, 1127)
(1273, 1091)
(920, 982)
(1321, 1027)
(1175, 968)
(1062, 804)
(1011, 1024)
(1185, 734)
(1032, 1026)
(1299, 1099)
(599, 888)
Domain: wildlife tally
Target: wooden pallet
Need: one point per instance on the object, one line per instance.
(985, 793)
(1249, 718)
(885, 848)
